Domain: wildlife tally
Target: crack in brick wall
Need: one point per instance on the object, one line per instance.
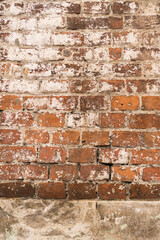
(79, 101)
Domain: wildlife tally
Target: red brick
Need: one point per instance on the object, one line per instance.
(111, 191)
(82, 155)
(115, 53)
(51, 120)
(36, 172)
(143, 191)
(113, 156)
(127, 70)
(144, 121)
(66, 137)
(17, 189)
(64, 172)
(151, 102)
(10, 172)
(51, 190)
(18, 154)
(145, 156)
(125, 173)
(125, 7)
(112, 120)
(10, 102)
(126, 139)
(152, 139)
(66, 103)
(94, 172)
(95, 138)
(76, 23)
(8, 136)
(93, 103)
(36, 103)
(123, 103)
(21, 119)
(52, 155)
(36, 136)
(82, 191)
(151, 174)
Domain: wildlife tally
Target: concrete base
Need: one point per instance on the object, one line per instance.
(33, 219)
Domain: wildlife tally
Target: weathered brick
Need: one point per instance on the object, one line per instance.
(145, 156)
(67, 39)
(111, 191)
(10, 102)
(111, 86)
(64, 173)
(143, 86)
(95, 138)
(36, 136)
(8, 136)
(83, 86)
(36, 103)
(113, 156)
(125, 7)
(18, 154)
(66, 137)
(51, 155)
(53, 86)
(112, 120)
(36, 172)
(93, 103)
(94, 172)
(152, 139)
(126, 139)
(151, 174)
(142, 22)
(66, 103)
(115, 53)
(96, 7)
(144, 121)
(21, 119)
(76, 23)
(10, 172)
(82, 191)
(125, 173)
(127, 70)
(97, 38)
(19, 86)
(127, 37)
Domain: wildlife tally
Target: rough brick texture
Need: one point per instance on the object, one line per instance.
(80, 99)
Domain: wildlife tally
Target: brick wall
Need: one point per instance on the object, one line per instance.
(80, 102)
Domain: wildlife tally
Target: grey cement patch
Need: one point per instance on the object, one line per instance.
(34, 219)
